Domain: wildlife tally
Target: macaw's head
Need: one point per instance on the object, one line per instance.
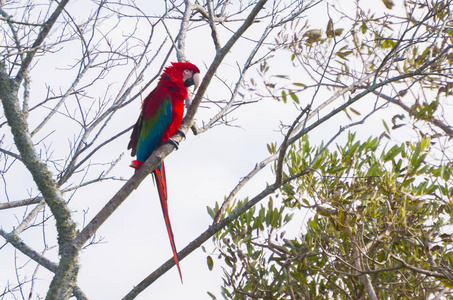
(183, 73)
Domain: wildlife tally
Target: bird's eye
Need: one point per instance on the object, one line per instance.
(186, 71)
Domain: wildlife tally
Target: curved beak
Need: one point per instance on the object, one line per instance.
(194, 80)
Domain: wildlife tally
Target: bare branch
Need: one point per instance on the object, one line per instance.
(215, 36)
(180, 50)
(45, 29)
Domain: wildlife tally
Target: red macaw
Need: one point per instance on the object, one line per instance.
(160, 118)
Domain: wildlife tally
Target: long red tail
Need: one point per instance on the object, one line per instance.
(161, 182)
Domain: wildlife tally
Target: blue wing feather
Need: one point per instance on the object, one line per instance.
(152, 129)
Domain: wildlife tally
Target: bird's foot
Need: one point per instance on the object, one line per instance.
(181, 133)
(174, 143)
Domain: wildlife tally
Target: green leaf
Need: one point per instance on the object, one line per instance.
(373, 144)
(425, 143)
(284, 96)
(294, 97)
(354, 111)
(313, 35)
(415, 155)
(363, 28)
(329, 29)
(394, 151)
(288, 189)
(343, 54)
(408, 181)
(388, 3)
(373, 170)
(228, 261)
(338, 31)
(211, 212)
(271, 148)
(347, 115)
(288, 217)
(210, 263)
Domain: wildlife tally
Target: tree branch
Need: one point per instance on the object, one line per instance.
(215, 36)
(19, 244)
(181, 49)
(196, 243)
(188, 119)
(45, 29)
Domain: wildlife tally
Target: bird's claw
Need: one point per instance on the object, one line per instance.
(174, 143)
(181, 133)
